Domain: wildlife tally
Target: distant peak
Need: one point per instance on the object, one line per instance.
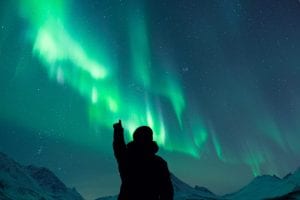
(31, 182)
(46, 179)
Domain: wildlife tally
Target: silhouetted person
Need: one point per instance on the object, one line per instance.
(144, 175)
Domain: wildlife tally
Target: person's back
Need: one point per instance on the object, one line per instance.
(144, 175)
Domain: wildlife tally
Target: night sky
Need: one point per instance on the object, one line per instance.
(217, 80)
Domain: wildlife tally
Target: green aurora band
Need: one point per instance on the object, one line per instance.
(96, 79)
(68, 63)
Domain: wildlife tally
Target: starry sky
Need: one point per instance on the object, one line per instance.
(217, 80)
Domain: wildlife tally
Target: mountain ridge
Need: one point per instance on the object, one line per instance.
(18, 182)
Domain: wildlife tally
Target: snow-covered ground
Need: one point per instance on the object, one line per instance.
(183, 191)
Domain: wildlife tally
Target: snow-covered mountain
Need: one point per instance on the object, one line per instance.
(184, 191)
(19, 182)
(270, 187)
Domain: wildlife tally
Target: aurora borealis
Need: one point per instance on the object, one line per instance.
(217, 80)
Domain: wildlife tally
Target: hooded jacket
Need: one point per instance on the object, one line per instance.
(144, 175)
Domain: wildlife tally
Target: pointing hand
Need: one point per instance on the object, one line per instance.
(118, 125)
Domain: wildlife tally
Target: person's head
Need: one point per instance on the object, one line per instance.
(143, 141)
(143, 134)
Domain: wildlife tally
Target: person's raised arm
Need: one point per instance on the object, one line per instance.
(119, 141)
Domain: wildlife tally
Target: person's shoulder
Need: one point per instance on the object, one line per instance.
(160, 160)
